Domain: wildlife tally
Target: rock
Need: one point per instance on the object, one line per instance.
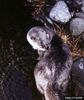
(78, 2)
(82, 8)
(77, 26)
(82, 2)
(78, 71)
(80, 15)
(83, 36)
(60, 12)
(74, 4)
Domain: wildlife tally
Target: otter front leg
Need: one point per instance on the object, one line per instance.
(50, 94)
(39, 88)
(41, 81)
(37, 80)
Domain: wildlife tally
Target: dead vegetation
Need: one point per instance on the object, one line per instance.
(72, 41)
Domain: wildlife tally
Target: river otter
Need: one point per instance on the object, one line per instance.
(53, 69)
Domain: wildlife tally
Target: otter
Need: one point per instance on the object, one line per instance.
(52, 71)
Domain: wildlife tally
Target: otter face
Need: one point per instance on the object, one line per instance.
(38, 38)
(34, 43)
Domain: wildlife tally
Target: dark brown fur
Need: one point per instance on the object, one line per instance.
(52, 71)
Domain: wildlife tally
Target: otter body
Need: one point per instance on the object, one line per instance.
(52, 73)
(54, 65)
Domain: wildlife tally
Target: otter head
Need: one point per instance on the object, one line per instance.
(39, 38)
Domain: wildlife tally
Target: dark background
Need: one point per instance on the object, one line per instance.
(17, 58)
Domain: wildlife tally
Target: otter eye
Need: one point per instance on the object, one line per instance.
(33, 38)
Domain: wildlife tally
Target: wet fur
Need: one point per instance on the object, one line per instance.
(52, 71)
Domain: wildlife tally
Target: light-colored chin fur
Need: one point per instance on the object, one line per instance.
(34, 44)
